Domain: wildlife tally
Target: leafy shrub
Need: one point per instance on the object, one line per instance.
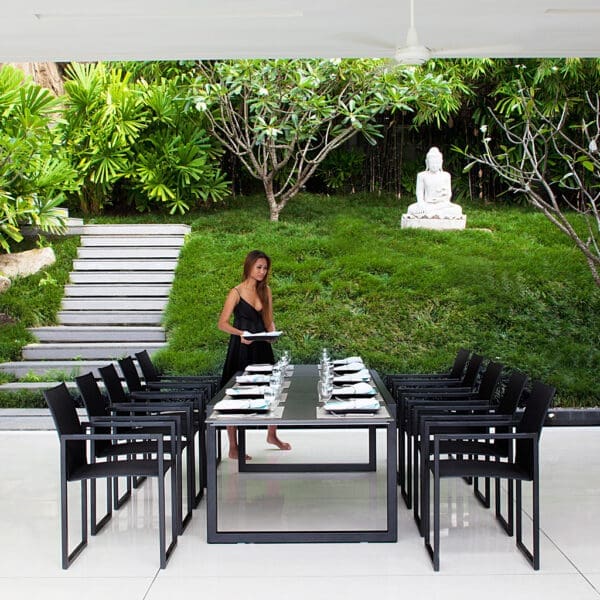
(34, 173)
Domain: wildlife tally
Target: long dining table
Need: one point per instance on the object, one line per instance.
(300, 409)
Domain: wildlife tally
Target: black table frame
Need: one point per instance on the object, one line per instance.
(299, 413)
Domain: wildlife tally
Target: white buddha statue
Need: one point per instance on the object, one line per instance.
(434, 192)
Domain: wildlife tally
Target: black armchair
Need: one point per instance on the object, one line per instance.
(121, 402)
(197, 396)
(523, 467)
(154, 379)
(409, 397)
(455, 373)
(75, 466)
(454, 414)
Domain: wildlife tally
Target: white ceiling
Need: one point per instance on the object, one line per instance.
(87, 30)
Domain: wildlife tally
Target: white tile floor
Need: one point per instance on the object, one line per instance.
(478, 560)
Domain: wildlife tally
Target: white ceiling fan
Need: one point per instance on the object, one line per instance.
(412, 53)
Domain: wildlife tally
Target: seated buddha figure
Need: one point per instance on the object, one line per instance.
(434, 191)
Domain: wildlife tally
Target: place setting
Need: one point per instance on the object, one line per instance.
(345, 388)
(258, 392)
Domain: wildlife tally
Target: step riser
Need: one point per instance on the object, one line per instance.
(110, 318)
(136, 230)
(112, 290)
(71, 369)
(138, 241)
(99, 334)
(116, 277)
(116, 304)
(123, 265)
(100, 352)
(127, 252)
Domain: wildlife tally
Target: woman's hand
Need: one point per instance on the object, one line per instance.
(244, 340)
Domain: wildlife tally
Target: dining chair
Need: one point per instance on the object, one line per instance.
(154, 379)
(454, 415)
(122, 402)
(522, 465)
(75, 466)
(196, 396)
(453, 374)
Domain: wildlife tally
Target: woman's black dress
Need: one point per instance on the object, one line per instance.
(239, 356)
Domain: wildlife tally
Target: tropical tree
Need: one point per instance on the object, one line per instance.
(34, 172)
(554, 163)
(281, 118)
(144, 137)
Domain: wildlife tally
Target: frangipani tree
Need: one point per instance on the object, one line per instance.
(283, 117)
(554, 163)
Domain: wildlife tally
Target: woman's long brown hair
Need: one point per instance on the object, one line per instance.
(261, 286)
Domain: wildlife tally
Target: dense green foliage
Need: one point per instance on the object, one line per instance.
(281, 118)
(137, 143)
(35, 300)
(34, 172)
(346, 276)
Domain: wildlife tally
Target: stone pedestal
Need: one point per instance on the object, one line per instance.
(436, 223)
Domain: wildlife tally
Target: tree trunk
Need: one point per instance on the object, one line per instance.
(274, 208)
(46, 74)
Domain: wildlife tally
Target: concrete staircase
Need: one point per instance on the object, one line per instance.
(113, 303)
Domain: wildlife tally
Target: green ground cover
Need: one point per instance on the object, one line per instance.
(346, 276)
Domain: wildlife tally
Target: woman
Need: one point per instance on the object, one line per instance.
(252, 307)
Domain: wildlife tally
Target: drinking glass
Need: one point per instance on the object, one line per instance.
(270, 397)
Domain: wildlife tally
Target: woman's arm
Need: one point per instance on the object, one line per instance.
(230, 303)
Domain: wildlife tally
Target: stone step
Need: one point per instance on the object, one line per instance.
(69, 369)
(113, 277)
(142, 229)
(83, 264)
(96, 333)
(40, 386)
(110, 289)
(116, 317)
(87, 350)
(175, 241)
(95, 304)
(126, 252)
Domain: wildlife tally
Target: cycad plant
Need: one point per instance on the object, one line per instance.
(34, 173)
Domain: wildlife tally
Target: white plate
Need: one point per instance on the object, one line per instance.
(230, 405)
(263, 335)
(259, 368)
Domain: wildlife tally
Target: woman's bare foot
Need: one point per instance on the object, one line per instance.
(273, 439)
(233, 454)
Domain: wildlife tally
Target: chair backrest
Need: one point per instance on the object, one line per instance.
(462, 356)
(64, 414)
(532, 421)
(472, 370)
(149, 371)
(93, 400)
(512, 393)
(134, 383)
(95, 405)
(489, 381)
(112, 383)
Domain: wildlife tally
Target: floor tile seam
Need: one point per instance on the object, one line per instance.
(149, 588)
(345, 576)
(565, 555)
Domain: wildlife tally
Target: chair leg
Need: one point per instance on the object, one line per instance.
(508, 522)
(432, 550)
(416, 472)
(532, 557)
(67, 558)
(118, 502)
(96, 526)
(485, 498)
